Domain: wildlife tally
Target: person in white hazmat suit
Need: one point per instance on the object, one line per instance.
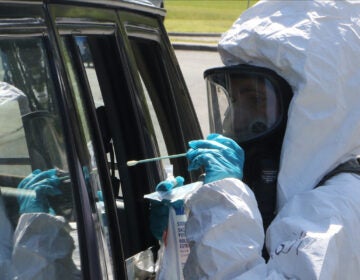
(39, 245)
(313, 45)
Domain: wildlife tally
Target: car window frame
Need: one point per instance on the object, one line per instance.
(19, 24)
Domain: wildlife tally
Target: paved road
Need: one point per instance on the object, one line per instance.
(193, 64)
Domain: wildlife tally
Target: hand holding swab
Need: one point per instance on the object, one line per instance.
(135, 162)
(15, 192)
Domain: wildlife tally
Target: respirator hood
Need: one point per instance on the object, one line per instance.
(312, 45)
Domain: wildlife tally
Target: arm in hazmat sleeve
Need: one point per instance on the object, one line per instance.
(315, 235)
(43, 248)
(6, 233)
(40, 247)
(224, 231)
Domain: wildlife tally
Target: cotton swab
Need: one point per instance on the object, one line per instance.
(135, 162)
(15, 192)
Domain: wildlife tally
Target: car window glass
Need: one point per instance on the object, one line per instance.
(107, 82)
(155, 121)
(152, 81)
(152, 122)
(37, 213)
(89, 158)
(88, 63)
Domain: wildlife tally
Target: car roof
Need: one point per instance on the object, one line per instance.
(152, 6)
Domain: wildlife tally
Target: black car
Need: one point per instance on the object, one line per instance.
(86, 86)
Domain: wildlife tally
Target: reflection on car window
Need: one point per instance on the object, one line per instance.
(89, 156)
(88, 63)
(149, 69)
(37, 213)
(106, 76)
(155, 122)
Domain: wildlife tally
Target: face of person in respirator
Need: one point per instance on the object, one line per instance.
(253, 108)
(249, 104)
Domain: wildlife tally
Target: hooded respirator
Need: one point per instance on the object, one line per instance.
(249, 104)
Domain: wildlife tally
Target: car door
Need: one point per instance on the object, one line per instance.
(84, 88)
(40, 235)
(128, 92)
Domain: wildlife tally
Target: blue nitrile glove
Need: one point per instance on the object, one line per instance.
(100, 196)
(169, 184)
(221, 157)
(44, 183)
(159, 210)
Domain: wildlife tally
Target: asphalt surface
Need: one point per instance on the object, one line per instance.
(195, 54)
(195, 41)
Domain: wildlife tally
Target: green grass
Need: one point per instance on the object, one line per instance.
(207, 16)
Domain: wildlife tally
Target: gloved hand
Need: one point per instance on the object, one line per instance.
(159, 210)
(44, 183)
(221, 157)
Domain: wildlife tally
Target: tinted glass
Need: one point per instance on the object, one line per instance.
(149, 70)
(86, 140)
(37, 213)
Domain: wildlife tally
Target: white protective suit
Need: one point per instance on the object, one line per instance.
(40, 248)
(314, 45)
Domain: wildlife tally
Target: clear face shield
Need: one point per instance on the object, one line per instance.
(245, 102)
